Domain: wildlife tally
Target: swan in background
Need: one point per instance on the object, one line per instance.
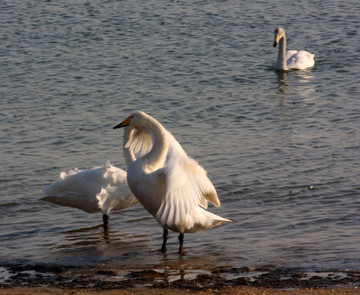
(291, 59)
(100, 189)
(170, 185)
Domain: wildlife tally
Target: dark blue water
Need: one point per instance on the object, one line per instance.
(282, 149)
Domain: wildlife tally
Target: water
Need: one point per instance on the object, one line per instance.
(282, 149)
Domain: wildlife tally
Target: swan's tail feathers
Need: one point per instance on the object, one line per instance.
(72, 200)
(74, 189)
(200, 219)
(217, 220)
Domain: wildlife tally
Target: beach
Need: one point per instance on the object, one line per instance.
(25, 280)
(54, 279)
(142, 290)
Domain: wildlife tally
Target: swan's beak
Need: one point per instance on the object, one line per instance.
(276, 40)
(124, 123)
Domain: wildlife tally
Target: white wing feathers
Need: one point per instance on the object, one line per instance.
(92, 190)
(141, 141)
(290, 53)
(115, 193)
(299, 59)
(187, 186)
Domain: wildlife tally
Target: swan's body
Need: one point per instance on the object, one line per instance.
(170, 185)
(291, 59)
(100, 189)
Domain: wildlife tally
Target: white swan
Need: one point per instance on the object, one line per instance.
(170, 185)
(292, 59)
(100, 189)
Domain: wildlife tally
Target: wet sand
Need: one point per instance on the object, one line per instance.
(166, 291)
(148, 282)
(44, 279)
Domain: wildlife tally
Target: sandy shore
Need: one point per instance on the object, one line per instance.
(167, 291)
(45, 279)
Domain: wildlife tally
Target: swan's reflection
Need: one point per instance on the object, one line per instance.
(282, 82)
(173, 268)
(293, 83)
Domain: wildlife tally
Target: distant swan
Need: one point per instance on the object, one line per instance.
(100, 189)
(292, 59)
(170, 185)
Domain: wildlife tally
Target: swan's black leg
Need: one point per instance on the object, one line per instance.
(106, 222)
(165, 237)
(181, 241)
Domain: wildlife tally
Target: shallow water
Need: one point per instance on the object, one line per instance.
(282, 149)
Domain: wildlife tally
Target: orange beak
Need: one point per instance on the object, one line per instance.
(124, 123)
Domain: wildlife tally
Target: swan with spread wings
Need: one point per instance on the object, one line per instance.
(170, 185)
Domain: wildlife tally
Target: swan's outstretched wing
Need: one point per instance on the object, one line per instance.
(186, 186)
(140, 141)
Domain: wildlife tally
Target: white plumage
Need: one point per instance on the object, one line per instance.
(169, 184)
(100, 189)
(291, 59)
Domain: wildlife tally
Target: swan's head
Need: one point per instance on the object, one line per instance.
(279, 33)
(137, 119)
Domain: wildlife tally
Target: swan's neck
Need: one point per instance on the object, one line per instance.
(156, 157)
(128, 153)
(281, 61)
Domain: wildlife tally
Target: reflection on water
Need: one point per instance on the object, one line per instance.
(290, 82)
(168, 269)
(282, 86)
(120, 253)
(92, 244)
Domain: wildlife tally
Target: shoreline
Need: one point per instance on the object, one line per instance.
(49, 279)
(229, 290)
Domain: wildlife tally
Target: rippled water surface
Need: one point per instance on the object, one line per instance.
(282, 149)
